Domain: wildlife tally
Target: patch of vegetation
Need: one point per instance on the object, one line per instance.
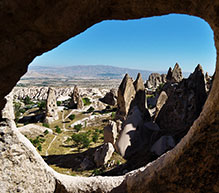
(59, 103)
(58, 129)
(37, 142)
(113, 115)
(46, 125)
(97, 172)
(86, 101)
(81, 140)
(78, 127)
(72, 117)
(95, 137)
(27, 101)
(90, 110)
(41, 105)
(46, 132)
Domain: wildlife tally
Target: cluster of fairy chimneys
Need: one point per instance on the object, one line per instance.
(51, 104)
(127, 131)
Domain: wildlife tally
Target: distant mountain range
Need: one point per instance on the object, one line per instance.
(84, 72)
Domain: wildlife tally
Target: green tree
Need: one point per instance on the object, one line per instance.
(78, 127)
(72, 117)
(81, 140)
(86, 101)
(58, 129)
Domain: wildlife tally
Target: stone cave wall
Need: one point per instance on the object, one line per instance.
(30, 28)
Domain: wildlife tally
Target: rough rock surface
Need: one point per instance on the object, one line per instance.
(103, 154)
(129, 139)
(184, 105)
(126, 94)
(33, 130)
(154, 80)
(110, 98)
(140, 97)
(161, 100)
(192, 163)
(110, 132)
(76, 100)
(162, 145)
(51, 107)
(174, 75)
(8, 111)
(21, 169)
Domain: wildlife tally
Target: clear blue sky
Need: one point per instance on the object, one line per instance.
(150, 43)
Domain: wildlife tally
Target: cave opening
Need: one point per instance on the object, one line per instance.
(53, 77)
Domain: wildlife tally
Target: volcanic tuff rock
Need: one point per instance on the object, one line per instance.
(129, 139)
(22, 40)
(76, 101)
(162, 145)
(161, 100)
(174, 75)
(51, 107)
(110, 132)
(110, 98)
(8, 111)
(103, 154)
(154, 80)
(184, 105)
(126, 94)
(32, 130)
(140, 97)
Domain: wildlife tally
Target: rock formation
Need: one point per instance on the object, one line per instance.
(184, 105)
(154, 80)
(140, 97)
(191, 166)
(103, 154)
(129, 139)
(33, 130)
(174, 75)
(161, 100)
(51, 107)
(8, 111)
(76, 100)
(110, 98)
(126, 94)
(110, 133)
(162, 145)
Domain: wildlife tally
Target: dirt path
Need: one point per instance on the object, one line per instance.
(50, 145)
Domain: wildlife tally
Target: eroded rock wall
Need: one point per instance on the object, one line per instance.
(31, 28)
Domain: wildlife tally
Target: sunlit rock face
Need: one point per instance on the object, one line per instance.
(29, 29)
(51, 107)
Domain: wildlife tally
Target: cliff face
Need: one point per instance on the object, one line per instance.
(31, 28)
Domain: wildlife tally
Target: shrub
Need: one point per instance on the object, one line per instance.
(81, 140)
(42, 105)
(46, 125)
(59, 103)
(46, 132)
(39, 148)
(95, 137)
(58, 129)
(91, 109)
(113, 115)
(78, 127)
(27, 101)
(72, 117)
(22, 111)
(86, 101)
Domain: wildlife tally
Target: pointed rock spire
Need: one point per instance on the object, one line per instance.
(126, 94)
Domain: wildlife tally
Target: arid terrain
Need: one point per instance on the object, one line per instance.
(107, 127)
